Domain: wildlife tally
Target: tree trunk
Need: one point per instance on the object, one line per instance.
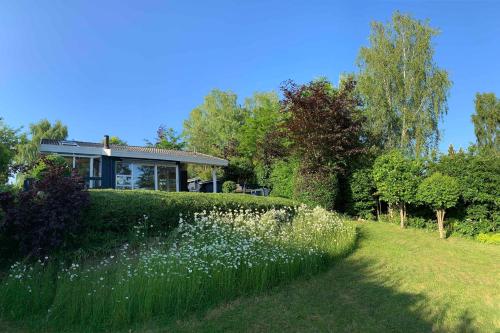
(440, 219)
(390, 210)
(402, 214)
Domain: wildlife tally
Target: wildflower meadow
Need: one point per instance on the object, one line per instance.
(213, 256)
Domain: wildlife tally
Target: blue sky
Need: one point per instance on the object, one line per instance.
(124, 67)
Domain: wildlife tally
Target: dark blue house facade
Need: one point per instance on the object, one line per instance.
(130, 167)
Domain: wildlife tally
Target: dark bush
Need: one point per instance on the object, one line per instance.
(47, 216)
(362, 190)
(112, 214)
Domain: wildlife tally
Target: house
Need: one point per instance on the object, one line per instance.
(130, 167)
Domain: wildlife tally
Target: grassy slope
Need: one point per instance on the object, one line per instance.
(397, 280)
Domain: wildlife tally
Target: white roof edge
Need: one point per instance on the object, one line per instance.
(200, 159)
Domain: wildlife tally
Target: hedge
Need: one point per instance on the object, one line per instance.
(112, 214)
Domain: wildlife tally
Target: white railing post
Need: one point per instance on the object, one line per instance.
(214, 179)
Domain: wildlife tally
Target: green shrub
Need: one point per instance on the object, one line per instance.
(317, 189)
(283, 177)
(362, 189)
(113, 213)
(229, 186)
(489, 238)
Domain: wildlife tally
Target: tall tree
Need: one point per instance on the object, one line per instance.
(486, 121)
(403, 90)
(27, 152)
(263, 119)
(167, 138)
(213, 125)
(324, 126)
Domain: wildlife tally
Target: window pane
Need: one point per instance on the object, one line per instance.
(83, 166)
(123, 168)
(144, 176)
(123, 175)
(166, 178)
(69, 161)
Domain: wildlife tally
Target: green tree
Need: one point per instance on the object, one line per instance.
(440, 192)
(28, 151)
(397, 178)
(262, 122)
(486, 121)
(404, 92)
(214, 125)
(9, 139)
(114, 140)
(167, 138)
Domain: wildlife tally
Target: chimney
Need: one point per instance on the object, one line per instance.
(106, 142)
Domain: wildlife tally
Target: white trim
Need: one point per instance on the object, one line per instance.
(91, 172)
(156, 177)
(214, 179)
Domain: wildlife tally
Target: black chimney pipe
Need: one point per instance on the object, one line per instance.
(106, 142)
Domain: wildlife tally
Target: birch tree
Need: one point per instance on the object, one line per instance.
(403, 90)
(486, 121)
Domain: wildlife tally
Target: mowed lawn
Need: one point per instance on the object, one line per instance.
(395, 281)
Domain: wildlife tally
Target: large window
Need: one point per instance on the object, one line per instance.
(123, 175)
(148, 176)
(88, 167)
(167, 180)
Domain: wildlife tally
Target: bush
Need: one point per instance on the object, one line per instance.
(283, 178)
(112, 214)
(46, 217)
(489, 238)
(317, 189)
(472, 228)
(362, 194)
(229, 186)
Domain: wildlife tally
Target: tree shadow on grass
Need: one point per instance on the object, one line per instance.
(351, 297)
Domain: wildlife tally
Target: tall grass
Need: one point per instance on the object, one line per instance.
(213, 257)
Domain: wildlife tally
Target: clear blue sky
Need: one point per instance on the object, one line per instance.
(124, 67)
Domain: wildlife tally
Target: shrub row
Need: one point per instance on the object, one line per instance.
(112, 214)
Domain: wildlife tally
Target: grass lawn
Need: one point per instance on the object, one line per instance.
(395, 281)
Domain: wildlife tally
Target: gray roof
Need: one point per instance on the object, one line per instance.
(76, 147)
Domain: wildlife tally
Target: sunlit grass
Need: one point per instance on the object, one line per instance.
(214, 257)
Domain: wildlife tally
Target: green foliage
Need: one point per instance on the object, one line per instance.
(403, 90)
(113, 213)
(486, 121)
(214, 125)
(489, 238)
(167, 138)
(439, 191)
(114, 140)
(9, 139)
(229, 186)
(240, 170)
(27, 151)
(478, 175)
(283, 178)
(397, 177)
(362, 193)
(43, 165)
(317, 189)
